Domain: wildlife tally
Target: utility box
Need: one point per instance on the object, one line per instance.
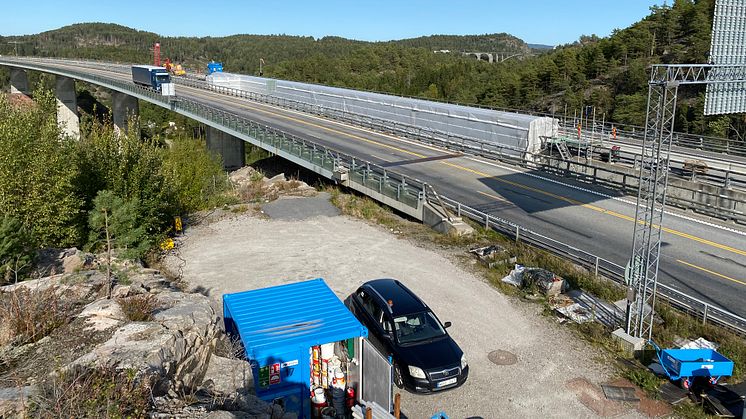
(284, 330)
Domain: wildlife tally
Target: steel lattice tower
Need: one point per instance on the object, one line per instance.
(651, 199)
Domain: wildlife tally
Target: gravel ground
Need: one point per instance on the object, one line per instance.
(246, 251)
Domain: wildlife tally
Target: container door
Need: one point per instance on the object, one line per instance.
(283, 378)
(376, 376)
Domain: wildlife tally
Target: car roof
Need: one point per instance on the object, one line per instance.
(404, 300)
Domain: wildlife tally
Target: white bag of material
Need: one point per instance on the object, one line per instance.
(515, 277)
(700, 343)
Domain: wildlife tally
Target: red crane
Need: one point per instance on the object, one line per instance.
(157, 54)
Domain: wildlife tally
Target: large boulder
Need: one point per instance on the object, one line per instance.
(228, 376)
(174, 348)
(58, 261)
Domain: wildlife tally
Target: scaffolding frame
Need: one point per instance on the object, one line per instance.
(642, 276)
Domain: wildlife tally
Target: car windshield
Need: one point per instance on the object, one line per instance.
(417, 327)
(162, 78)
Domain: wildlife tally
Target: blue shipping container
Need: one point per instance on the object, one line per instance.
(214, 67)
(278, 326)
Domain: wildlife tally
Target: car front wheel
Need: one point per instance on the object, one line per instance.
(398, 379)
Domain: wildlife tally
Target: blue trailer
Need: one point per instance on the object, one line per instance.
(279, 326)
(150, 76)
(214, 67)
(685, 364)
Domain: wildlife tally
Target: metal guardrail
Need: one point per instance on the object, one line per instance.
(707, 312)
(407, 190)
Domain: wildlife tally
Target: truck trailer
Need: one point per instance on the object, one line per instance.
(150, 76)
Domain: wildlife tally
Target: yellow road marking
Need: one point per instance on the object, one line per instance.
(710, 272)
(508, 182)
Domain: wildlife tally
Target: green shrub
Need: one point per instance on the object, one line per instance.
(82, 392)
(130, 167)
(30, 315)
(139, 308)
(194, 175)
(115, 221)
(15, 250)
(38, 172)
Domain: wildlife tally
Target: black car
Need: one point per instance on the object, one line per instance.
(425, 357)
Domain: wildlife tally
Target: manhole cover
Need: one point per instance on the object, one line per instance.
(500, 357)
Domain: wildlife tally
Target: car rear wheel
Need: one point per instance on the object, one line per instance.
(398, 380)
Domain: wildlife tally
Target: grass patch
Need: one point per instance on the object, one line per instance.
(92, 393)
(644, 379)
(239, 209)
(364, 208)
(29, 315)
(139, 308)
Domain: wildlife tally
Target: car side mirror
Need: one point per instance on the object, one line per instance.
(446, 325)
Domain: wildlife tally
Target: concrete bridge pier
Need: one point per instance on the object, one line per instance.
(231, 149)
(123, 107)
(19, 81)
(67, 106)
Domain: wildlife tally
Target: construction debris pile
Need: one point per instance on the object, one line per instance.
(536, 280)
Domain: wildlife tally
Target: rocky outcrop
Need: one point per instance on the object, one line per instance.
(174, 348)
(63, 261)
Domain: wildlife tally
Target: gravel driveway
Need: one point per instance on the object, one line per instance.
(246, 251)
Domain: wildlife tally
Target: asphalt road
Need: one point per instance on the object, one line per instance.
(699, 258)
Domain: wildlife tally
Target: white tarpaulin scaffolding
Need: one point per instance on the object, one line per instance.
(517, 132)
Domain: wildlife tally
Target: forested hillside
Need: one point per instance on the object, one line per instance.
(608, 73)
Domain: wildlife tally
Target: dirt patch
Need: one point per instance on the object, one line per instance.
(593, 398)
(243, 252)
(649, 407)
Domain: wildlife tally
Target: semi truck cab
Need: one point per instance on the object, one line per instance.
(150, 76)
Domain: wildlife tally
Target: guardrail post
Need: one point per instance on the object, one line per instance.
(517, 234)
(486, 221)
(458, 209)
(704, 314)
(595, 268)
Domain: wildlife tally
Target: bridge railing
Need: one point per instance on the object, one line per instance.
(404, 189)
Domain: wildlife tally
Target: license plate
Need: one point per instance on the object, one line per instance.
(447, 382)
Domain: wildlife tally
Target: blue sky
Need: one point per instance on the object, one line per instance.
(535, 21)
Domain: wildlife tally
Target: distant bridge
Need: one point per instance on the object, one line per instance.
(495, 57)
